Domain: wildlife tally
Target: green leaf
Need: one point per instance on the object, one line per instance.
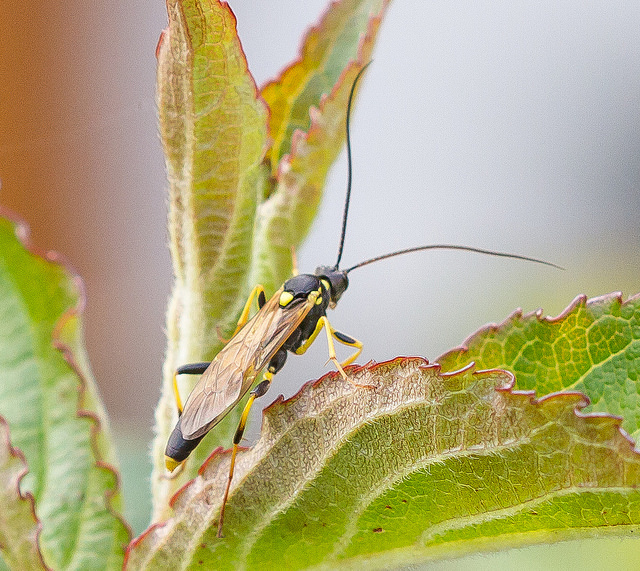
(592, 347)
(19, 527)
(213, 126)
(49, 399)
(424, 466)
(233, 221)
(327, 49)
(308, 106)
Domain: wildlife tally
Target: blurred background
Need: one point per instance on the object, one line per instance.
(501, 125)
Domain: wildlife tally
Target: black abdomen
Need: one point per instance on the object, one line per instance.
(178, 448)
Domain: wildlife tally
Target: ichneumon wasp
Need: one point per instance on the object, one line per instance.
(289, 321)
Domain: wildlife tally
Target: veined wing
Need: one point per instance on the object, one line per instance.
(236, 366)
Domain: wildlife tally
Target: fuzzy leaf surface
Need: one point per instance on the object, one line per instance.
(425, 465)
(232, 224)
(592, 347)
(213, 126)
(50, 402)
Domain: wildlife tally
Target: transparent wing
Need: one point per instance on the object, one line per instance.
(237, 365)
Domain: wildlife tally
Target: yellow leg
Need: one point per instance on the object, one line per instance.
(332, 348)
(176, 393)
(349, 342)
(244, 316)
(260, 390)
(190, 369)
(341, 338)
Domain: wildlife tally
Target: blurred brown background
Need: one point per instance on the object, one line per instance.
(498, 126)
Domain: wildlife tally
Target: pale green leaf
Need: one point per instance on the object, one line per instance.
(213, 126)
(49, 400)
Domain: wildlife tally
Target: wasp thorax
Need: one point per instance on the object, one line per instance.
(298, 287)
(337, 279)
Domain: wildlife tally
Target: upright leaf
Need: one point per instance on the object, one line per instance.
(308, 105)
(232, 224)
(213, 128)
(50, 401)
(423, 466)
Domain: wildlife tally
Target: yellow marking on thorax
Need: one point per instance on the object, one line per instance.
(285, 298)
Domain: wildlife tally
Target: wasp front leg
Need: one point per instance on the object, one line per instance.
(350, 342)
(341, 338)
(345, 340)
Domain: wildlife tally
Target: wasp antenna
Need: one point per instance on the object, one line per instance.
(345, 213)
(453, 247)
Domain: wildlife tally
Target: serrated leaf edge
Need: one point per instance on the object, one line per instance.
(23, 233)
(300, 137)
(580, 401)
(518, 315)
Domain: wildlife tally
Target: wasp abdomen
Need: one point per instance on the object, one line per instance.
(178, 448)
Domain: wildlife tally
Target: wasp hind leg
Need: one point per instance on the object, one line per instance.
(260, 389)
(189, 369)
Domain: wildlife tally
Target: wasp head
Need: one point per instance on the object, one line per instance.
(337, 279)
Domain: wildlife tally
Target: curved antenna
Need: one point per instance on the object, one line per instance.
(452, 247)
(349, 166)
